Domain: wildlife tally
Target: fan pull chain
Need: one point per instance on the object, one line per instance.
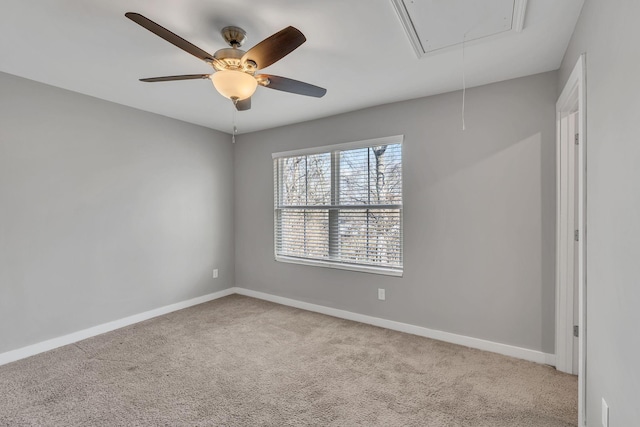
(235, 128)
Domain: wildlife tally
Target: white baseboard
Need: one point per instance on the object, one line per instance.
(31, 350)
(494, 347)
(505, 349)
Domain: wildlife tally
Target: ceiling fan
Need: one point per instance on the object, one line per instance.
(234, 75)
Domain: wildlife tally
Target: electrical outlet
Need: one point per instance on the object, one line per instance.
(215, 273)
(381, 294)
(605, 413)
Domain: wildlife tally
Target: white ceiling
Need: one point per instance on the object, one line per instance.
(357, 49)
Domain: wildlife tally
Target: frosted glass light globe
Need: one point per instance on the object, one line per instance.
(234, 84)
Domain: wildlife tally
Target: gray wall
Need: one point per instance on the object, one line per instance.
(105, 211)
(479, 214)
(608, 32)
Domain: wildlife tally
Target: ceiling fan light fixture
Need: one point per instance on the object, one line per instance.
(234, 69)
(234, 84)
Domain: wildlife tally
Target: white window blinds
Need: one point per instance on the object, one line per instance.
(341, 206)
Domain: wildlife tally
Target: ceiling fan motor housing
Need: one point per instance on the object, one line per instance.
(235, 37)
(232, 60)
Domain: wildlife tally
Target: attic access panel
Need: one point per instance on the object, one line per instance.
(434, 25)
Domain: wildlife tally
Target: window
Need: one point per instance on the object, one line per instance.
(341, 206)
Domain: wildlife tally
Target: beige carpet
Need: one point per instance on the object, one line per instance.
(239, 361)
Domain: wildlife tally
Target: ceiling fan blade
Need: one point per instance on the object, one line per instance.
(169, 36)
(244, 105)
(171, 78)
(289, 85)
(275, 47)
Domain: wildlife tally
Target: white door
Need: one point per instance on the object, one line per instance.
(571, 283)
(573, 118)
(569, 199)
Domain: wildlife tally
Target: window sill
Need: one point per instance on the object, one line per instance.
(341, 266)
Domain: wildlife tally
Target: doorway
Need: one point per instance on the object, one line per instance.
(571, 232)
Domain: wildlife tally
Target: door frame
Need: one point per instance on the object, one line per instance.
(572, 99)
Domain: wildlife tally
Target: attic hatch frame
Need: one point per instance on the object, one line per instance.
(519, 11)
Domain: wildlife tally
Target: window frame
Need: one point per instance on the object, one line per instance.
(331, 149)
